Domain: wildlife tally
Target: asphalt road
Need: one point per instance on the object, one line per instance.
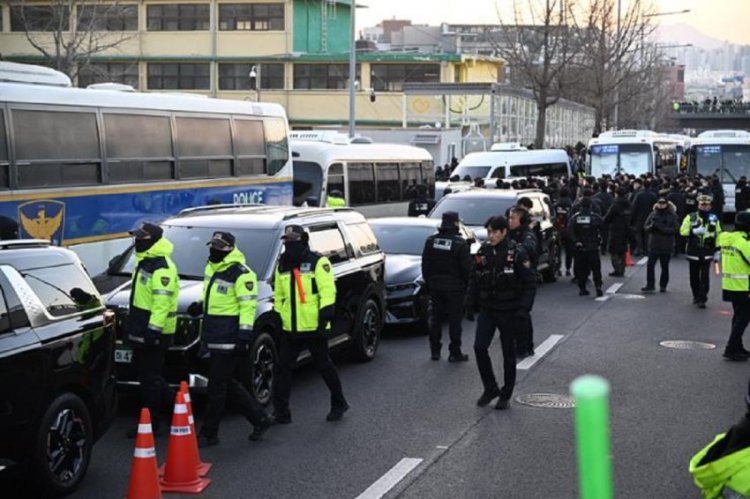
(666, 404)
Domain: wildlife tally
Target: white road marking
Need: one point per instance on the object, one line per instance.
(540, 351)
(642, 261)
(390, 479)
(613, 288)
(442, 447)
(603, 298)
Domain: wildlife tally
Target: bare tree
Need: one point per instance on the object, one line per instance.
(71, 33)
(539, 49)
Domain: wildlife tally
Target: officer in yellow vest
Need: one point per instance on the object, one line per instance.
(151, 322)
(700, 229)
(735, 282)
(230, 295)
(335, 199)
(304, 297)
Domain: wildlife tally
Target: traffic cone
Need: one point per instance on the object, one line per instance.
(202, 467)
(181, 469)
(628, 259)
(144, 480)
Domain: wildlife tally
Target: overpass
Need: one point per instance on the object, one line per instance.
(702, 121)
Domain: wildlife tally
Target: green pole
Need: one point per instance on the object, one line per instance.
(591, 395)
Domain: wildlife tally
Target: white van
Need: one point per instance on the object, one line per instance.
(493, 165)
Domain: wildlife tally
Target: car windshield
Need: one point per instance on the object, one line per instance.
(401, 239)
(472, 210)
(472, 171)
(191, 252)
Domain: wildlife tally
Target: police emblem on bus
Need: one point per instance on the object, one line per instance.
(44, 219)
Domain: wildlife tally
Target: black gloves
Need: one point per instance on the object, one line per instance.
(152, 338)
(326, 314)
(195, 309)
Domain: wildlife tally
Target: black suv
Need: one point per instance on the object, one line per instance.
(476, 205)
(57, 394)
(342, 235)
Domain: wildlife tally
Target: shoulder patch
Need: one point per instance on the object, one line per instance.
(326, 267)
(165, 281)
(249, 285)
(440, 243)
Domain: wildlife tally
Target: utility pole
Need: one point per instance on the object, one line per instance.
(352, 71)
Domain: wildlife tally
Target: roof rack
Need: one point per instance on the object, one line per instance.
(24, 243)
(211, 207)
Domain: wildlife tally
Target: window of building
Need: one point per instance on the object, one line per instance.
(179, 76)
(59, 289)
(322, 76)
(179, 17)
(328, 241)
(360, 184)
(251, 17)
(104, 72)
(236, 76)
(108, 17)
(391, 77)
(39, 17)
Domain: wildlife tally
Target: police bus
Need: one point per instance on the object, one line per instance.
(632, 152)
(82, 167)
(724, 153)
(376, 179)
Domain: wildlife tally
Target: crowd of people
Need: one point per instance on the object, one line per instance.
(714, 105)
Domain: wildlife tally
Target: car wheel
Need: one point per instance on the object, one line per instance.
(63, 445)
(263, 362)
(425, 315)
(550, 273)
(367, 328)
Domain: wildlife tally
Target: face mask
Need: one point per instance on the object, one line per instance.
(142, 245)
(215, 255)
(294, 251)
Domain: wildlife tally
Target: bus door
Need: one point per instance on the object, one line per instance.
(335, 182)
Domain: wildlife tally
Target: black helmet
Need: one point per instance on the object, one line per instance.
(742, 221)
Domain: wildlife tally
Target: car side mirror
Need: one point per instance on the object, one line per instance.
(112, 264)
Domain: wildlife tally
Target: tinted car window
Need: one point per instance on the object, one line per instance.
(18, 317)
(190, 259)
(4, 316)
(402, 240)
(63, 290)
(328, 242)
(474, 210)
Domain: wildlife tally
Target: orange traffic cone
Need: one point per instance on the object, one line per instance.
(628, 259)
(181, 470)
(202, 467)
(144, 481)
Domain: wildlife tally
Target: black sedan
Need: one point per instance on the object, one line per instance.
(402, 239)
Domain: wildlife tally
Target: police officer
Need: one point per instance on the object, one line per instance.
(501, 288)
(335, 199)
(230, 294)
(420, 205)
(701, 230)
(304, 297)
(520, 231)
(583, 228)
(150, 324)
(446, 264)
(563, 211)
(735, 282)
(741, 195)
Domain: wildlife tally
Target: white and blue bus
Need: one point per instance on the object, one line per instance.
(724, 153)
(82, 167)
(632, 152)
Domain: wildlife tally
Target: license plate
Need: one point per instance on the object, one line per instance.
(123, 356)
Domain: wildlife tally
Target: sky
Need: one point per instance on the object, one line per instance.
(721, 19)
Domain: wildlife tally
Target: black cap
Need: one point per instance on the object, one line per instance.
(223, 241)
(450, 220)
(294, 233)
(147, 230)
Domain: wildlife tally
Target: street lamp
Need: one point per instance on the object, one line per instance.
(255, 80)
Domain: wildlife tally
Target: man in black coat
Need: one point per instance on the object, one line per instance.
(584, 229)
(642, 205)
(421, 204)
(618, 218)
(660, 226)
(605, 201)
(446, 264)
(678, 200)
(741, 195)
(519, 222)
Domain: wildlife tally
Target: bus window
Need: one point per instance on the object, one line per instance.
(428, 177)
(61, 148)
(360, 183)
(4, 174)
(308, 178)
(498, 172)
(736, 162)
(540, 170)
(277, 144)
(249, 147)
(335, 181)
(410, 176)
(204, 147)
(139, 148)
(386, 182)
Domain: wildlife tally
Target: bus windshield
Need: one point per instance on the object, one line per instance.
(472, 171)
(611, 159)
(308, 179)
(732, 161)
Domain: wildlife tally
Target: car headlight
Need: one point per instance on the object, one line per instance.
(402, 287)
